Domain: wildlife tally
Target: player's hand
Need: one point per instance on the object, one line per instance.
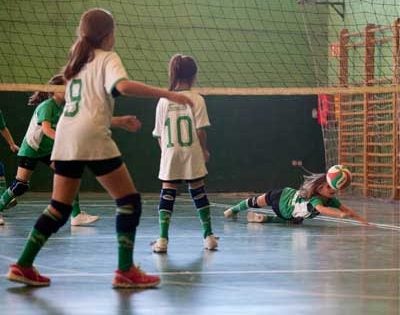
(14, 148)
(129, 123)
(361, 220)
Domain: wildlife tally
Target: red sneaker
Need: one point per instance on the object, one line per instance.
(28, 275)
(134, 278)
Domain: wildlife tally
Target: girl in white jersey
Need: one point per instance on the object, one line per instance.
(182, 139)
(95, 76)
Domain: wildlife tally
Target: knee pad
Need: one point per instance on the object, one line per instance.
(129, 210)
(48, 223)
(19, 187)
(252, 202)
(2, 170)
(199, 197)
(167, 200)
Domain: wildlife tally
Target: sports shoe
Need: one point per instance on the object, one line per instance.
(1, 219)
(13, 202)
(210, 242)
(254, 217)
(230, 214)
(28, 275)
(83, 219)
(160, 246)
(134, 278)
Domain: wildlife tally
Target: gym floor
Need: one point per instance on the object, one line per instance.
(324, 266)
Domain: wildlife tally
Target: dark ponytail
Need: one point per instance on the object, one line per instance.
(95, 26)
(80, 53)
(39, 96)
(182, 69)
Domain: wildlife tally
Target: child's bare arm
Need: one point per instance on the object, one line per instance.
(128, 122)
(48, 129)
(352, 214)
(10, 140)
(331, 212)
(342, 212)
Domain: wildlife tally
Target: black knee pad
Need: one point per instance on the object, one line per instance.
(19, 187)
(167, 199)
(48, 224)
(252, 202)
(129, 210)
(199, 197)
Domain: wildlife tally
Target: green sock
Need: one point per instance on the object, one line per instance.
(5, 199)
(205, 219)
(164, 218)
(241, 206)
(125, 250)
(76, 209)
(35, 242)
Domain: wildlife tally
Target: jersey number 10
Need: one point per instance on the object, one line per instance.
(183, 123)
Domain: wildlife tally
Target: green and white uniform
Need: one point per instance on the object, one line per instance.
(181, 153)
(83, 132)
(291, 205)
(36, 144)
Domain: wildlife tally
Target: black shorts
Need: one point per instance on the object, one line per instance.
(178, 181)
(30, 163)
(74, 169)
(272, 198)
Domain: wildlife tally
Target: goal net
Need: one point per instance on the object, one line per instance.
(345, 51)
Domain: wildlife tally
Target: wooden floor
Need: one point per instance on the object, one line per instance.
(324, 266)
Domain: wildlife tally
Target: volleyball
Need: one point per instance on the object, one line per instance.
(338, 177)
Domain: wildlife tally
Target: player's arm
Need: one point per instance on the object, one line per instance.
(10, 140)
(128, 122)
(329, 211)
(202, 135)
(135, 88)
(48, 129)
(350, 213)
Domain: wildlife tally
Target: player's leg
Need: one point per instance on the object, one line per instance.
(165, 209)
(259, 201)
(200, 199)
(78, 217)
(114, 177)
(50, 221)
(18, 187)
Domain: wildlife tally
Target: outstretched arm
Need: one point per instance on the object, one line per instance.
(350, 213)
(135, 88)
(344, 212)
(10, 140)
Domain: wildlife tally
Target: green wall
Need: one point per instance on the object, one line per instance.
(252, 142)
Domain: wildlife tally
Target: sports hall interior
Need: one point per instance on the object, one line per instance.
(263, 68)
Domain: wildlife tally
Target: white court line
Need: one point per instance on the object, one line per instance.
(95, 203)
(73, 273)
(222, 272)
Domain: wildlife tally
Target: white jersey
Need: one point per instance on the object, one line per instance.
(176, 127)
(83, 132)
